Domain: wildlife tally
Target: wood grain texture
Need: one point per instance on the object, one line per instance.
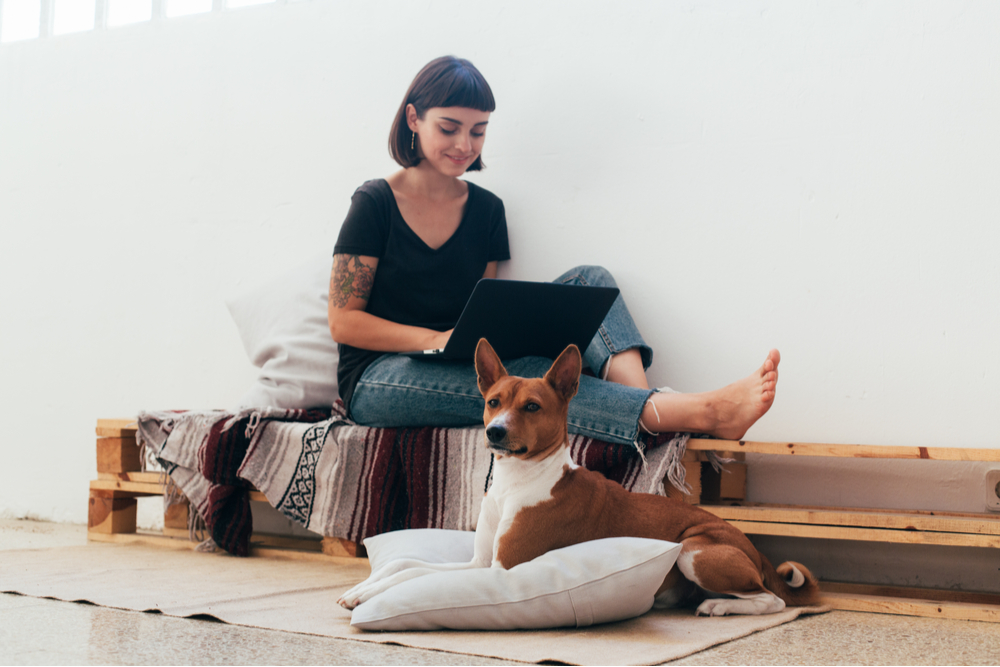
(336, 546)
(868, 534)
(692, 471)
(161, 541)
(929, 603)
(846, 451)
(117, 455)
(111, 515)
(983, 524)
(116, 428)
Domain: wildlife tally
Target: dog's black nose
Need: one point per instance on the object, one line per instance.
(496, 433)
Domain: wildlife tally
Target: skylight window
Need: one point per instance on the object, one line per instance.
(231, 4)
(29, 19)
(20, 19)
(123, 12)
(185, 7)
(73, 16)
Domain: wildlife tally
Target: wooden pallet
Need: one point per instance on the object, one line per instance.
(119, 483)
(871, 525)
(113, 505)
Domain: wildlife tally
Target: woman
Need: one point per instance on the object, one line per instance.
(410, 252)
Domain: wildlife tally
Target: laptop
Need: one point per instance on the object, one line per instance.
(521, 319)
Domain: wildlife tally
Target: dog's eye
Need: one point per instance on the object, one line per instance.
(493, 403)
(532, 407)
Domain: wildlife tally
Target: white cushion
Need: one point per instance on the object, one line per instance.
(284, 329)
(592, 582)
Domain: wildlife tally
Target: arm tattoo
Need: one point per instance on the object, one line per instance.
(350, 278)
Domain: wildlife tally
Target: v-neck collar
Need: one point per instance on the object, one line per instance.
(409, 230)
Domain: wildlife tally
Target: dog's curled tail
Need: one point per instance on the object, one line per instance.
(793, 583)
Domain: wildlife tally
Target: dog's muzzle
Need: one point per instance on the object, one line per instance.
(496, 439)
(496, 433)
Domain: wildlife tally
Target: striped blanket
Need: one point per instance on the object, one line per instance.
(343, 480)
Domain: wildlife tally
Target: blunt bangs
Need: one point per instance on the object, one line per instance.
(458, 86)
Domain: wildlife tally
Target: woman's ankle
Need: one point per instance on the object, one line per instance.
(676, 412)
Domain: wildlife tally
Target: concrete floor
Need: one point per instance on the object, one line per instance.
(41, 631)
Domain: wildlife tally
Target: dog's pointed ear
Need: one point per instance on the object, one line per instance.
(564, 375)
(488, 366)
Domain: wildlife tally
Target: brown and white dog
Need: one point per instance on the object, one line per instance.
(540, 500)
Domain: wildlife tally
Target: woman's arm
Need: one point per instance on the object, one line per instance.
(351, 283)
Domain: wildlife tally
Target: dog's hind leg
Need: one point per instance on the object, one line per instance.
(675, 591)
(726, 570)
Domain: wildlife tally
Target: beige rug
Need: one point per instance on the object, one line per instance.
(299, 596)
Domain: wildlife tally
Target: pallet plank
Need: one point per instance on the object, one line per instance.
(867, 534)
(117, 455)
(176, 516)
(127, 487)
(729, 484)
(692, 471)
(153, 477)
(336, 546)
(144, 484)
(907, 606)
(182, 543)
(859, 518)
(108, 515)
(116, 428)
(848, 451)
(909, 592)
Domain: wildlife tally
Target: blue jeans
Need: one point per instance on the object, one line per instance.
(402, 391)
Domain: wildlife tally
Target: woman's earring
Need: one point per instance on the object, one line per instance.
(413, 138)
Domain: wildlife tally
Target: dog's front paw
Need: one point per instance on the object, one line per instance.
(360, 593)
(350, 599)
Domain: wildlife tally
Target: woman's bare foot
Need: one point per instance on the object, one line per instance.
(737, 407)
(726, 413)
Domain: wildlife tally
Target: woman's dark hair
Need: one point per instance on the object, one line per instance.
(443, 82)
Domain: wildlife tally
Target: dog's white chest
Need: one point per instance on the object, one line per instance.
(517, 485)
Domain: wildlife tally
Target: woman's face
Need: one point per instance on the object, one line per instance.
(449, 138)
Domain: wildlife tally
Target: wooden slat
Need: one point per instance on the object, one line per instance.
(158, 540)
(913, 602)
(283, 542)
(127, 487)
(867, 534)
(848, 451)
(116, 428)
(729, 484)
(176, 516)
(144, 483)
(935, 594)
(146, 477)
(916, 521)
(110, 515)
(117, 455)
(262, 540)
(336, 546)
(692, 472)
(142, 537)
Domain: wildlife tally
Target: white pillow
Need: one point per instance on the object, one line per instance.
(431, 545)
(592, 582)
(284, 329)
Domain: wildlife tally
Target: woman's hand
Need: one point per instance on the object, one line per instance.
(440, 340)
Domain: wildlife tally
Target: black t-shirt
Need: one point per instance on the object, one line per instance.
(414, 283)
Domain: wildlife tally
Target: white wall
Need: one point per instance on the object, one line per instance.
(818, 177)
